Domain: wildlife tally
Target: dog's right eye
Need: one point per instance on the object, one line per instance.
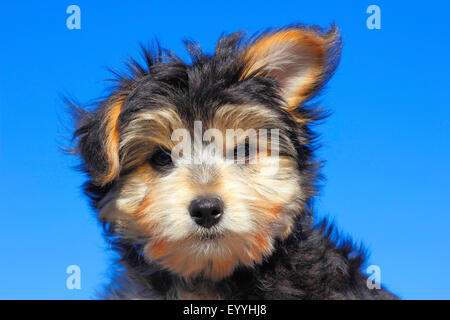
(160, 158)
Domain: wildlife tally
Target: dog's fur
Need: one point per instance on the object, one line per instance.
(266, 245)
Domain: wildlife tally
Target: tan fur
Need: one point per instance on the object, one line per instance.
(147, 130)
(112, 141)
(249, 117)
(296, 58)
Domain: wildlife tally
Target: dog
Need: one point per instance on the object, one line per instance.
(221, 218)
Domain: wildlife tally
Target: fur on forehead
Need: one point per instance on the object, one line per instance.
(280, 69)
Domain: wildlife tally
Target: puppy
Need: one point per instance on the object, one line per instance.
(203, 173)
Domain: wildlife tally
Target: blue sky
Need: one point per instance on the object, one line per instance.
(386, 144)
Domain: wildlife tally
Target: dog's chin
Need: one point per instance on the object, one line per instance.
(210, 237)
(212, 253)
(207, 235)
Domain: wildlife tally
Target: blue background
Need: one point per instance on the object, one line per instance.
(387, 143)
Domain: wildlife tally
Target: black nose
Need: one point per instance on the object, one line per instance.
(206, 212)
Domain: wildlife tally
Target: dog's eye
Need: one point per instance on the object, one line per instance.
(242, 152)
(161, 158)
(245, 150)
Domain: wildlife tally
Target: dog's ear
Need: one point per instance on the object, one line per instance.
(98, 140)
(300, 59)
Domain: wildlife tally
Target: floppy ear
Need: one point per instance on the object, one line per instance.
(301, 59)
(98, 141)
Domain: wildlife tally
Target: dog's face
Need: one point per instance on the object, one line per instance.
(205, 165)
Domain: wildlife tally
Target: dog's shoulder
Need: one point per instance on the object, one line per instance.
(315, 262)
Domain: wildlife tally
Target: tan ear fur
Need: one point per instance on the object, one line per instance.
(110, 126)
(301, 59)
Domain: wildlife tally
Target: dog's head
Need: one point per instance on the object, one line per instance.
(206, 164)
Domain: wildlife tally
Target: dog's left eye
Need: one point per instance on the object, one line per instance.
(242, 152)
(161, 158)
